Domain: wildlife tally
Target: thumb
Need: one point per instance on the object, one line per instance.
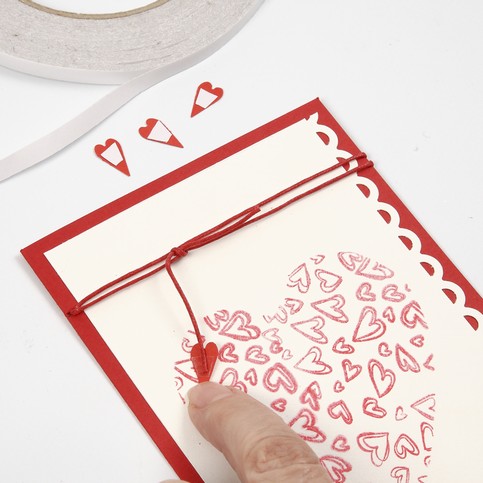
(256, 442)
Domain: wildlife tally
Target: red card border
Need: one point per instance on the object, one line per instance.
(35, 256)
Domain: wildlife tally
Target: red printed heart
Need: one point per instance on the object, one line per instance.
(351, 371)
(271, 335)
(377, 444)
(255, 355)
(156, 131)
(364, 293)
(239, 327)
(341, 347)
(312, 329)
(328, 281)
(427, 363)
(279, 376)
(391, 294)
(294, 305)
(206, 96)
(286, 355)
(400, 414)
(350, 260)
(427, 434)
(404, 446)
(338, 386)
(280, 316)
(374, 271)
(300, 279)
(426, 406)
(332, 308)
(382, 379)
(417, 341)
(312, 362)
(276, 348)
(411, 315)
(251, 377)
(384, 350)
(401, 473)
(369, 326)
(279, 405)
(304, 424)
(204, 364)
(312, 395)
(339, 409)
(227, 353)
(340, 444)
(318, 259)
(230, 378)
(405, 360)
(336, 467)
(111, 153)
(371, 408)
(185, 368)
(389, 314)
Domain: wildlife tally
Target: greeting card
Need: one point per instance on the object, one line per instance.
(328, 301)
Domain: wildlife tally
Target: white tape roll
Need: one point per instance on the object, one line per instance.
(137, 49)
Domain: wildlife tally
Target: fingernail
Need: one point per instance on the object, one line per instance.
(207, 393)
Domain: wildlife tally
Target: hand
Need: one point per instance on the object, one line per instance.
(259, 446)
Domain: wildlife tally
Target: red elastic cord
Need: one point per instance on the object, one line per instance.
(242, 219)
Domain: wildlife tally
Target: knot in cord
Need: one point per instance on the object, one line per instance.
(178, 252)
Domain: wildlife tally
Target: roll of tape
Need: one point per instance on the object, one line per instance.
(137, 49)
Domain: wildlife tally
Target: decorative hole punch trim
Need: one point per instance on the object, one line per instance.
(203, 362)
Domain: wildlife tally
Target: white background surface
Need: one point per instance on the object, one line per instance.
(403, 79)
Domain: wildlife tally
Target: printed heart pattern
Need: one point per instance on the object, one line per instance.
(111, 153)
(346, 351)
(206, 95)
(155, 130)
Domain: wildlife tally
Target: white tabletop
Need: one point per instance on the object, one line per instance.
(403, 79)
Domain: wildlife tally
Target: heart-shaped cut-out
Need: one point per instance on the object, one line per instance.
(206, 96)
(111, 153)
(157, 131)
(204, 364)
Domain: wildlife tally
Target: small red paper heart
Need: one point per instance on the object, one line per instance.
(157, 131)
(204, 370)
(111, 153)
(206, 96)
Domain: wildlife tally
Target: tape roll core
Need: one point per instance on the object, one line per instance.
(93, 16)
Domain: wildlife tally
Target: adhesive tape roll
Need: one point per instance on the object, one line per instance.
(138, 49)
(112, 48)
